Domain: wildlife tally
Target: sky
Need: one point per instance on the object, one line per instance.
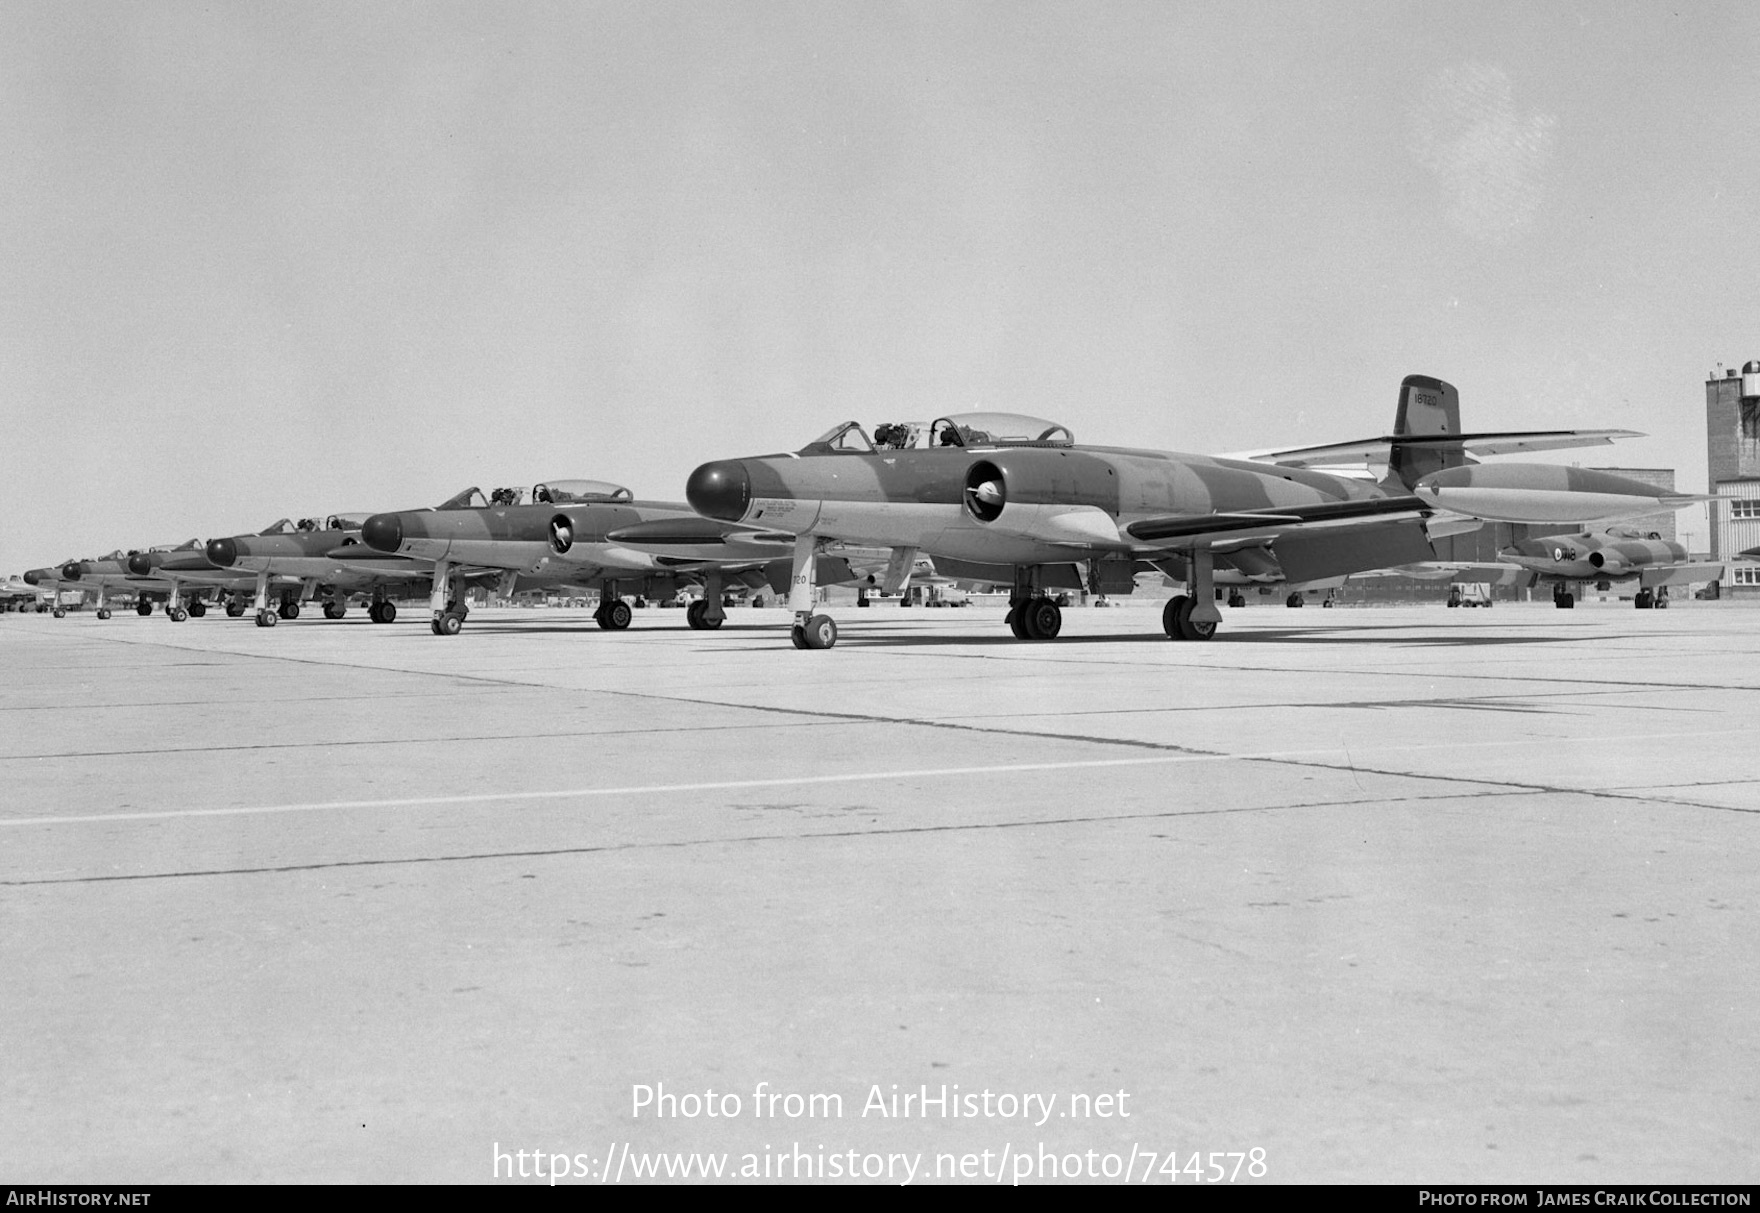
(273, 259)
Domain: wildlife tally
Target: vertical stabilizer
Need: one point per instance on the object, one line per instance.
(1428, 409)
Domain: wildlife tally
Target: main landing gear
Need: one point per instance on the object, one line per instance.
(707, 613)
(613, 614)
(1178, 622)
(1035, 619)
(143, 608)
(335, 608)
(1562, 598)
(383, 611)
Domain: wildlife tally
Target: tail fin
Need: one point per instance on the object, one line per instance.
(1429, 409)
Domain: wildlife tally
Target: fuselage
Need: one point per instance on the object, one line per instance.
(1006, 504)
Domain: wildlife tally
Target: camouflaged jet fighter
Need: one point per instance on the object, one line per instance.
(309, 560)
(110, 574)
(561, 535)
(183, 576)
(1015, 500)
(1613, 555)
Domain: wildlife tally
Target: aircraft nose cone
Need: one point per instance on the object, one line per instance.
(223, 552)
(140, 564)
(70, 571)
(33, 576)
(383, 532)
(720, 490)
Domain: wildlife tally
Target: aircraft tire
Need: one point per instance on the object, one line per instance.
(617, 616)
(1644, 600)
(266, 619)
(450, 623)
(234, 610)
(820, 632)
(330, 611)
(1294, 600)
(1564, 602)
(1043, 619)
(1170, 616)
(1189, 628)
(143, 609)
(103, 612)
(197, 609)
(1016, 623)
(693, 615)
(178, 615)
(1237, 600)
(798, 635)
(59, 612)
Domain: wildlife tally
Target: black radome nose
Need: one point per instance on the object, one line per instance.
(33, 576)
(720, 490)
(383, 532)
(140, 564)
(222, 552)
(70, 571)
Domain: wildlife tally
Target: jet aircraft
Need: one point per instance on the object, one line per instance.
(309, 559)
(1613, 555)
(561, 535)
(1015, 500)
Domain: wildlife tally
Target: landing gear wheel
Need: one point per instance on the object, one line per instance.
(265, 619)
(448, 623)
(143, 609)
(289, 610)
(334, 610)
(1644, 600)
(693, 615)
(177, 615)
(1294, 600)
(1237, 599)
(798, 635)
(1189, 628)
(1015, 622)
(820, 632)
(197, 609)
(234, 610)
(1170, 615)
(1042, 619)
(59, 612)
(1564, 602)
(103, 612)
(617, 616)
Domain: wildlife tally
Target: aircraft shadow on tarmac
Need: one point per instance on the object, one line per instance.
(900, 636)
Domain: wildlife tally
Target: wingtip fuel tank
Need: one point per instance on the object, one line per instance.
(1543, 493)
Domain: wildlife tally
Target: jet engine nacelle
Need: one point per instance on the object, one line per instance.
(1037, 499)
(1610, 561)
(1542, 493)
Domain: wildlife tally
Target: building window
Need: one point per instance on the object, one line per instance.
(1749, 508)
(1745, 574)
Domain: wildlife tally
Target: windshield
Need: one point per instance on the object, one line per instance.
(471, 499)
(848, 438)
(346, 522)
(568, 492)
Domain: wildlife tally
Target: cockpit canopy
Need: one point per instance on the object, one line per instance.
(1632, 532)
(958, 430)
(570, 492)
(998, 429)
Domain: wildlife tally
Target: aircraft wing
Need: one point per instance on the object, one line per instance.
(1191, 530)
(704, 539)
(1376, 450)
